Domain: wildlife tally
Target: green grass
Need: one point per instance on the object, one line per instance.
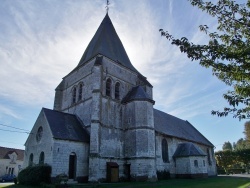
(215, 182)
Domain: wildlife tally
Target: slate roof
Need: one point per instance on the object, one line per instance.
(66, 126)
(188, 149)
(137, 93)
(106, 42)
(4, 153)
(175, 127)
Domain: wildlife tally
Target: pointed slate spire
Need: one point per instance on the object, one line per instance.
(107, 43)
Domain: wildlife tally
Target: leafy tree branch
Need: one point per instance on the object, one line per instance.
(227, 53)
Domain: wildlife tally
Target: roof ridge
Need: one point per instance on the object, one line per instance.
(170, 115)
(174, 126)
(198, 131)
(11, 148)
(58, 111)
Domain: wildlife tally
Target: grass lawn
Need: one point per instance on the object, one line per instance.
(215, 182)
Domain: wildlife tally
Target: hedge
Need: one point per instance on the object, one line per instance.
(231, 171)
(35, 175)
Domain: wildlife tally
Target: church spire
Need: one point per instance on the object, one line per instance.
(106, 42)
(107, 6)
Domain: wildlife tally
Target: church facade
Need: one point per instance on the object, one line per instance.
(104, 128)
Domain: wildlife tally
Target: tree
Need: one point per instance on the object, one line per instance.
(227, 146)
(234, 146)
(244, 157)
(242, 144)
(225, 159)
(227, 52)
(247, 131)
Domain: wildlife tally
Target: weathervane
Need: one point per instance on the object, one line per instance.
(107, 6)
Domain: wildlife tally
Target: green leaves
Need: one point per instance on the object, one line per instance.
(227, 52)
(228, 158)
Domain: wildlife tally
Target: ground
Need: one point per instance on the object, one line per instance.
(227, 181)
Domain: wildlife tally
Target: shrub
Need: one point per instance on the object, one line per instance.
(236, 170)
(61, 178)
(221, 171)
(35, 175)
(231, 171)
(82, 179)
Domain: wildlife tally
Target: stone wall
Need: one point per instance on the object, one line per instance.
(191, 167)
(211, 167)
(81, 107)
(143, 169)
(109, 121)
(61, 152)
(35, 147)
(172, 146)
(56, 152)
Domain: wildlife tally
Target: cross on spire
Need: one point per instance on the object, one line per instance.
(107, 6)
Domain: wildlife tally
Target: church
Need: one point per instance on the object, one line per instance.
(104, 127)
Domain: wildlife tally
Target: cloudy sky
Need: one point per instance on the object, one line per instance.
(41, 41)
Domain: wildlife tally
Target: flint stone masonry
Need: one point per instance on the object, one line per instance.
(61, 153)
(126, 129)
(44, 145)
(185, 167)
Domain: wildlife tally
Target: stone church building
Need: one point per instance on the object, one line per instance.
(104, 128)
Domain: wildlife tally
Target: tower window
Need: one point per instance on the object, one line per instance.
(117, 90)
(164, 147)
(74, 95)
(80, 92)
(108, 87)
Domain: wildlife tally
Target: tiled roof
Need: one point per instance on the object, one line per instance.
(4, 153)
(188, 149)
(175, 127)
(136, 93)
(66, 126)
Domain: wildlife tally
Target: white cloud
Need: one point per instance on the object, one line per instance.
(33, 62)
(38, 57)
(42, 41)
(9, 112)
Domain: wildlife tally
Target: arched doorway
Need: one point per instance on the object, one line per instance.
(72, 165)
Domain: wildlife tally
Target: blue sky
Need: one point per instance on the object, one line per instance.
(41, 41)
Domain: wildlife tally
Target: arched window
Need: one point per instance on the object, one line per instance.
(117, 90)
(31, 159)
(195, 163)
(108, 87)
(39, 134)
(208, 157)
(80, 92)
(74, 95)
(164, 147)
(41, 158)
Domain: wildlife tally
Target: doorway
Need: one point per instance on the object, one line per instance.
(127, 172)
(72, 165)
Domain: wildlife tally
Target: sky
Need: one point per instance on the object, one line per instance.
(42, 41)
